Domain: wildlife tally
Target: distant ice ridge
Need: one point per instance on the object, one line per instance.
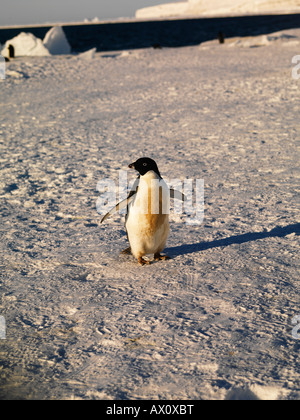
(217, 7)
(93, 20)
(26, 44)
(286, 38)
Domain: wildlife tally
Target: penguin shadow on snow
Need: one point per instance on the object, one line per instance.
(278, 232)
(241, 395)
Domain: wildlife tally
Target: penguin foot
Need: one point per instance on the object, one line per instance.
(143, 262)
(159, 257)
(126, 251)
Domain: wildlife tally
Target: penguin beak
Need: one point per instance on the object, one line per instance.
(131, 166)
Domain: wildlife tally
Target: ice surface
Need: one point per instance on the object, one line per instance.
(215, 322)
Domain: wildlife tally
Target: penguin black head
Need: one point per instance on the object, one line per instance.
(144, 165)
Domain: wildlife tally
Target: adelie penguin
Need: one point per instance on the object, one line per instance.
(147, 218)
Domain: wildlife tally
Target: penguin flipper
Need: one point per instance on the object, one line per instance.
(120, 206)
(123, 204)
(177, 194)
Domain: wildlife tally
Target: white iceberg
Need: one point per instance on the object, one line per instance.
(56, 42)
(25, 44)
(217, 7)
(88, 55)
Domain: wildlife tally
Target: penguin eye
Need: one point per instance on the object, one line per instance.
(144, 164)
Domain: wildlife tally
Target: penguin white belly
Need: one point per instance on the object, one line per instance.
(147, 232)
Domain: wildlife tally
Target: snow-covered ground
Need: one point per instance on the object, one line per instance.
(214, 322)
